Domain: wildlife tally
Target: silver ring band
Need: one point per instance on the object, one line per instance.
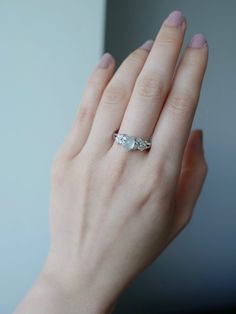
(131, 142)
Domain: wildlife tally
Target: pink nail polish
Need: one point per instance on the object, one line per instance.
(175, 18)
(105, 61)
(147, 45)
(198, 41)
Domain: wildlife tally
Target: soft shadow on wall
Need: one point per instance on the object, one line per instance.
(196, 274)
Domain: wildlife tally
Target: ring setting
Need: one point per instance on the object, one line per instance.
(131, 142)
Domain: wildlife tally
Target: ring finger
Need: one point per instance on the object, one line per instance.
(115, 99)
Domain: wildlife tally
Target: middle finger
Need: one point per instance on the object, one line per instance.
(153, 82)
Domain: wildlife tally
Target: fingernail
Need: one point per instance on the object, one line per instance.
(198, 41)
(147, 45)
(175, 18)
(105, 61)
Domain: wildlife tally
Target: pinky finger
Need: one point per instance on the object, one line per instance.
(193, 173)
(81, 127)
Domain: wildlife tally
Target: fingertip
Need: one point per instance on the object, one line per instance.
(106, 61)
(147, 45)
(198, 41)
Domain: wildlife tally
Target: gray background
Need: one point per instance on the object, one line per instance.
(198, 270)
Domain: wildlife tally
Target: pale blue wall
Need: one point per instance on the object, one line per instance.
(47, 50)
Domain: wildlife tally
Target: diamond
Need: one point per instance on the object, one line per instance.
(129, 143)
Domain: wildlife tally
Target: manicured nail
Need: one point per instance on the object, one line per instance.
(105, 61)
(147, 45)
(198, 41)
(175, 18)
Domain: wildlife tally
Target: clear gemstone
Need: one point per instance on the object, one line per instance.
(129, 143)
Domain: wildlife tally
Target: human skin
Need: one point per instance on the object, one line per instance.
(113, 211)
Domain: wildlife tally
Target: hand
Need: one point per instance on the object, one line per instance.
(113, 211)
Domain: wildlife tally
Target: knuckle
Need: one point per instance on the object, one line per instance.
(167, 37)
(194, 59)
(137, 56)
(115, 93)
(95, 83)
(185, 218)
(203, 168)
(148, 87)
(85, 113)
(181, 103)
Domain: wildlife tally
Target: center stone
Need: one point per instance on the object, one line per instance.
(129, 143)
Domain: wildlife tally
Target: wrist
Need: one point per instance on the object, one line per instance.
(80, 290)
(51, 295)
(44, 297)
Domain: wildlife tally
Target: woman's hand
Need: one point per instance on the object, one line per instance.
(113, 211)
